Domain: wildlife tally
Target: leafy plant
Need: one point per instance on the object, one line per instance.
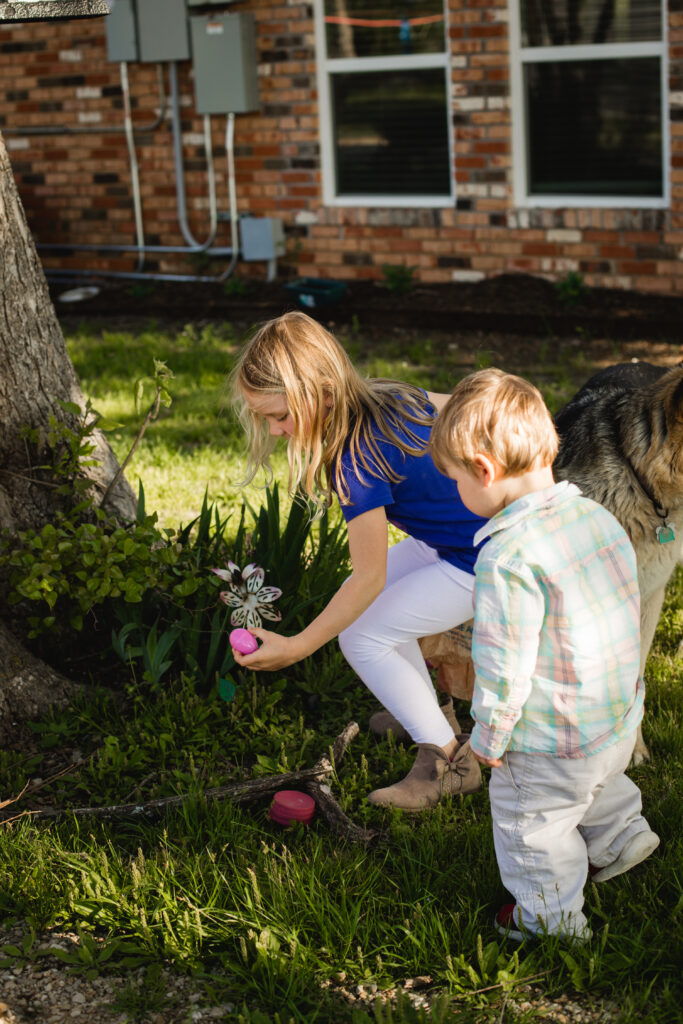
(158, 382)
(571, 288)
(398, 277)
(140, 290)
(68, 446)
(237, 287)
(154, 649)
(83, 565)
(151, 591)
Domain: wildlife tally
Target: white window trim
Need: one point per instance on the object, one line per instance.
(325, 67)
(520, 55)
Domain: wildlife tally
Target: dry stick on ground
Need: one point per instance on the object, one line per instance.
(326, 803)
(13, 799)
(336, 818)
(238, 792)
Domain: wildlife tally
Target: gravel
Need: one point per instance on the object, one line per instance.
(44, 991)
(521, 1001)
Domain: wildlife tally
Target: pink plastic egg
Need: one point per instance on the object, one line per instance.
(243, 641)
(290, 806)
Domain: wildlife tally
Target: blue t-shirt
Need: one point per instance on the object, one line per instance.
(425, 504)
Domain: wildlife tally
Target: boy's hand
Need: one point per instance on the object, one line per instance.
(491, 762)
(276, 651)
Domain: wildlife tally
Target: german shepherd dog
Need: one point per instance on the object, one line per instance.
(621, 442)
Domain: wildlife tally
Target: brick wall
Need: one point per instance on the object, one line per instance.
(74, 178)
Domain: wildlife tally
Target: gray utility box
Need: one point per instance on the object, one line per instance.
(263, 238)
(225, 67)
(162, 30)
(122, 36)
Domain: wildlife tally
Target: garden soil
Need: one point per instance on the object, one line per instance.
(508, 303)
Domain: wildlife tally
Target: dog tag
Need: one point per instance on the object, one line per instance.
(666, 533)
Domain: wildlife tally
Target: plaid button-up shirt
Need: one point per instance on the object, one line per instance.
(556, 642)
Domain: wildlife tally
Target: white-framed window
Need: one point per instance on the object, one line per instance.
(384, 101)
(589, 103)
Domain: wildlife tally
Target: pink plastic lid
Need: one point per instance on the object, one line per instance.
(290, 806)
(243, 641)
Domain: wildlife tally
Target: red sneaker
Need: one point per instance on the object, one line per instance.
(506, 924)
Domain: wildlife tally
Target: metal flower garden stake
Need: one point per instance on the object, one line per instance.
(248, 597)
(251, 602)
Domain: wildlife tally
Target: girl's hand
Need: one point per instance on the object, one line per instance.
(275, 652)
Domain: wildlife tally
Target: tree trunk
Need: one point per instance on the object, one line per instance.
(28, 687)
(57, 10)
(35, 371)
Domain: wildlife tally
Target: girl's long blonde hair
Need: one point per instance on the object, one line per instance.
(332, 406)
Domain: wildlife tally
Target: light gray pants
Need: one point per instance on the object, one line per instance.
(551, 816)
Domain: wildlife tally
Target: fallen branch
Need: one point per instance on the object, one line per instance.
(13, 799)
(335, 817)
(342, 741)
(506, 984)
(29, 789)
(239, 792)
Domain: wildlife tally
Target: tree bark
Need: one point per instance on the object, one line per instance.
(28, 687)
(48, 10)
(35, 372)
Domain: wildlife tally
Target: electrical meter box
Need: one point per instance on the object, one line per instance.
(122, 36)
(225, 62)
(263, 238)
(162, 30)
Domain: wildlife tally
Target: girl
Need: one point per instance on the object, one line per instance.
(367, 440)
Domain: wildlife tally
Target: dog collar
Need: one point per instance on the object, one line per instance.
(665, 532)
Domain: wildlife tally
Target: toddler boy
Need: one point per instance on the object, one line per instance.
(556, 652)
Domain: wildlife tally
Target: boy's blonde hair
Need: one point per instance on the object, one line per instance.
(496, 414)
(332, 406)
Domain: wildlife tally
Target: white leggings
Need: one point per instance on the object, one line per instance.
(423, 595)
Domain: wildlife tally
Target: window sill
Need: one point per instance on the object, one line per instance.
(392, 202)
(590, 202)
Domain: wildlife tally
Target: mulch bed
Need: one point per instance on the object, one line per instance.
(508, 303)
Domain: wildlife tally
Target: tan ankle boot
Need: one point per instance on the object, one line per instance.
(383, 722)
(432, 776)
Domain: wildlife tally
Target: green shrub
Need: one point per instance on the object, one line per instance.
(150, 593)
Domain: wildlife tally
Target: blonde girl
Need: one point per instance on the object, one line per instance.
(367, 442)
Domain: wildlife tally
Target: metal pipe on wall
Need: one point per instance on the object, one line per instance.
(194, 247)
(233, 251)
(129, 129)
(179, 171)
(133, 162)
(82, 129)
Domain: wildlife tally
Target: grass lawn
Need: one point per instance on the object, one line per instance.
(295, 924)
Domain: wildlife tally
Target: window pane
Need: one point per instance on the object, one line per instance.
(582, 22)
(363, 28)
(594, 127)
(391, 133)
